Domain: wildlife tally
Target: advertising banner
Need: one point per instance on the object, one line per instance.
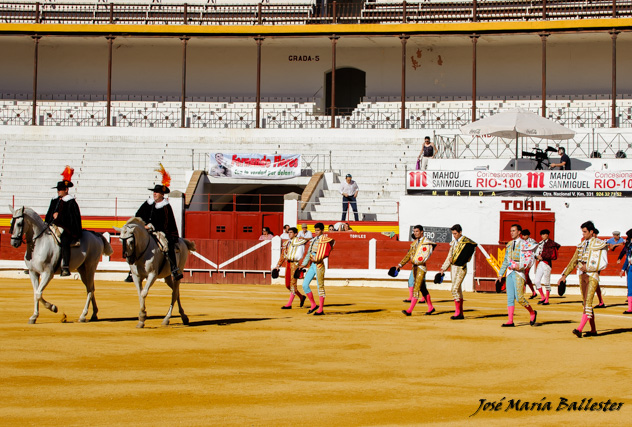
(584, 183)
(254, 166)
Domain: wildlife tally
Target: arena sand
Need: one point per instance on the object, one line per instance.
(243, 361)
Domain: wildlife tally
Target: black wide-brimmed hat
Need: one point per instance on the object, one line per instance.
(63, 185)
(393, 271)
(275, 273)
(439, 278)
(162, 189)
(561, 288)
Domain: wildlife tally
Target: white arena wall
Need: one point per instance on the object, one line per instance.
(436, 66)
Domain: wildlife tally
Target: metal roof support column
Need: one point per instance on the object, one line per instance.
(183, 96)
(404, 38)
(36, 38)
(543, 38)
(334, 38)
(259, 40)
(474, 38)
(108, 107)
(613, 35)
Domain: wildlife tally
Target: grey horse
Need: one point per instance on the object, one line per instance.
(43, 255)
(147, 261)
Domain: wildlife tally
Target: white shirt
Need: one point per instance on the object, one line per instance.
(305, 234)
(284, 236)
(349, 189)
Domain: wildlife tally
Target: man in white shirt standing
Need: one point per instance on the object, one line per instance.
(349, 190)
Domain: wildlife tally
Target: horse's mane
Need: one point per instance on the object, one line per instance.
(136, 221)
(33, 215)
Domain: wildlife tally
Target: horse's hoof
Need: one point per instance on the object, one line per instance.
(94, 318)
(82, 319)
(185, 319)
(53, 308)
(165, 322)
(140, 325)
(32, 321)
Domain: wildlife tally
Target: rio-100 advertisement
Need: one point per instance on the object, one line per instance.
(254, 166)
(586, 183)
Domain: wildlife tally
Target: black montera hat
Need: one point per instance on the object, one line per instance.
(393, 272)
(439, 278)
(275, 273)
(561, 288)
(299, 273)
(499, 285)
(162, 189)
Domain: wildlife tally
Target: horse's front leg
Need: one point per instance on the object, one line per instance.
(142, 295)
(39, 282)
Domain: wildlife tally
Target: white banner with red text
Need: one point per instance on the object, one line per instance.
(586, 183)
(254, 166)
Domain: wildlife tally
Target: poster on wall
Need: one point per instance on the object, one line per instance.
(585, 183)
(254, 166)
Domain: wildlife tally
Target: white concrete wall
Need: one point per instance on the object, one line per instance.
(480, 216)
(507, 65)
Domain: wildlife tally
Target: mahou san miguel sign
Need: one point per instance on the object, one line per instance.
(518, 183)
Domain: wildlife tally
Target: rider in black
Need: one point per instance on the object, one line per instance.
(64, 213)
(157, 214)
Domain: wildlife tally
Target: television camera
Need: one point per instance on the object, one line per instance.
(540, 156)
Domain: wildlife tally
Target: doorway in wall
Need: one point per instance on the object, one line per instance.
(350, 89)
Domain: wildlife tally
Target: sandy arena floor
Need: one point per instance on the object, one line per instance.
(243, 361)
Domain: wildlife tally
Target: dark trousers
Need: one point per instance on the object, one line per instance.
(65, 240)
(171, 252)
(346, 200)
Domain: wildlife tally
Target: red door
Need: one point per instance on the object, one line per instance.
(222, 225)
(274, 221)
(248, 226)
(197, 225)
(533, 221)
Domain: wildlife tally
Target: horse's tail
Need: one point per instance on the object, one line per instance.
(190, 245)
(107, 248)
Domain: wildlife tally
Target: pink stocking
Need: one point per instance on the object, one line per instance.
(457, 309)
(413, 303)
(583, 322)
(289, 303)
(510, 313)
(322, 304)
(429, 301)
(311, 300)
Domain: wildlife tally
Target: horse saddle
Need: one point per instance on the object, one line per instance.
(161, 239)
(57, 234)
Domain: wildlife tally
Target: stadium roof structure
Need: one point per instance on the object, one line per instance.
(306, 19)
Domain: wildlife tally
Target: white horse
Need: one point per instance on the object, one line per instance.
(148, 261)
(43, 255)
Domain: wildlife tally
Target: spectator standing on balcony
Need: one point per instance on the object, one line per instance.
(428, 151)
(304, 233)
(349, 190)
(565, 161)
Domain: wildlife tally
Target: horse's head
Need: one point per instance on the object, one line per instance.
(17, 227)
(127, 236)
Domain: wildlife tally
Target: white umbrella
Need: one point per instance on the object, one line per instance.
(516, 123)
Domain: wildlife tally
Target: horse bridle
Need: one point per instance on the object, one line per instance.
(13, 220)
(21, 236)
(131, 258)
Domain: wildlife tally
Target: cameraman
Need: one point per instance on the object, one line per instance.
(565, 161)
